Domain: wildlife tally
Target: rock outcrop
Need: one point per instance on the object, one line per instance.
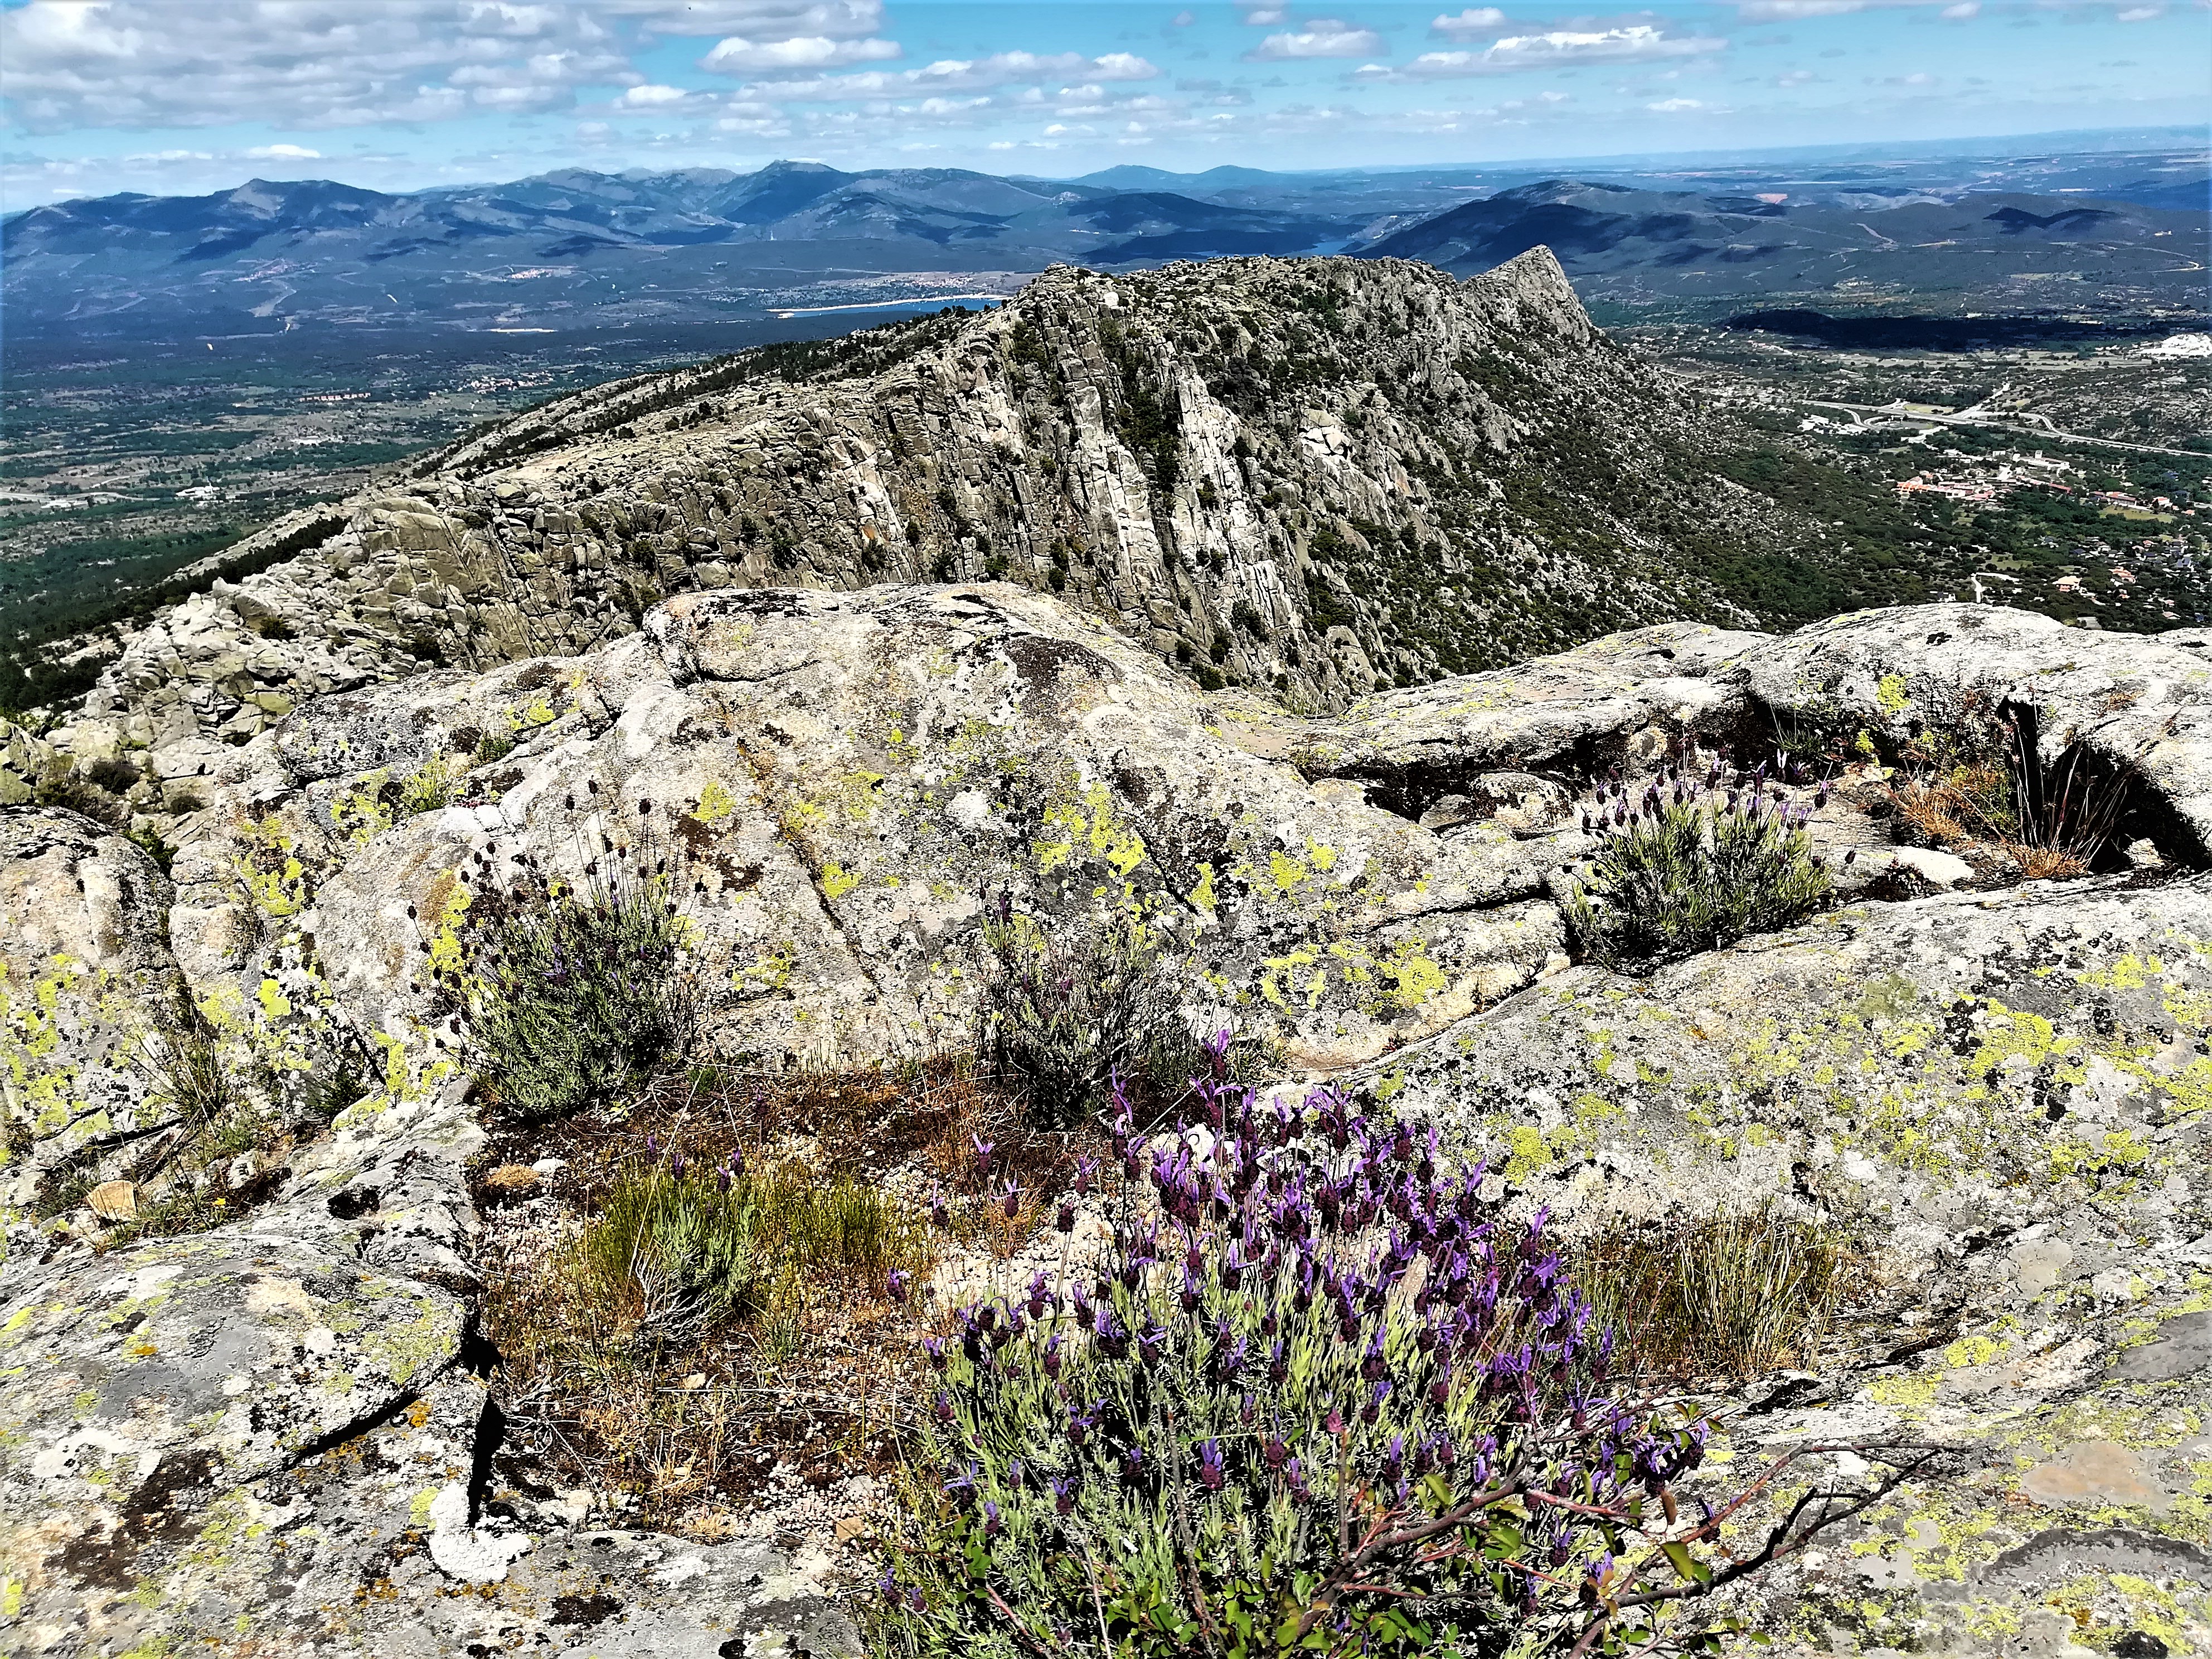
(279, 1424)
(2005, 1100)
(1317, 475)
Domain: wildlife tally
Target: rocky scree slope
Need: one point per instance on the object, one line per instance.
(279, 1424)
(1323, 476)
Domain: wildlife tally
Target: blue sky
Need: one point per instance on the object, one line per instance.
(174, 96)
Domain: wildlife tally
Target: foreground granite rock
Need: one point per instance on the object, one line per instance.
(274, 1435)
(2005, 1100)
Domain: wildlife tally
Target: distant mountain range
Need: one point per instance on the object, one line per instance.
(1621, 243)
(578, 250)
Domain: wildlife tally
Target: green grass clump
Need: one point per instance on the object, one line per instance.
(676, 1252)
(1689, 866)
(579, 995)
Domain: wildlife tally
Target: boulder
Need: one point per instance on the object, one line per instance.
(844, 780)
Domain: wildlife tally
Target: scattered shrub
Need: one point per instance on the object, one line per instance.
(1067, 1007)
(115, 775)
(576, 996)
(705, 1312)
(1327, 1398)
(1692, 864)
(1730, 1294)
(62, 785)
(493, 747)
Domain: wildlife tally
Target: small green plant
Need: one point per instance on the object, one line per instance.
(1732, 1294)
(577, 996)
(494, 746)
(1067, 1007)
(431, 786)
(677, 1251)
(1984, 780)
(672, 1255)
(186, 1072)
(1692, 864)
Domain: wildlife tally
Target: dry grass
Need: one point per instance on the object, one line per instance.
(1731, 1295)
(2055, 821)
(619, 1369)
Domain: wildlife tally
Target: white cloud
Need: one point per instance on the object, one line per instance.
(1783, 11)
(1466, 25)
(311, 63)
(1322, 37)
(1261, 17)
(1558, 49)
(755, 19)
(964, 75)
(1791, 11)
(282, 153)
(652, 97)
(1677, 105)
(737, 55)
(2134, 13)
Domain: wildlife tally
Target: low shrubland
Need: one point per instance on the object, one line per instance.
(1693, 862)
(1320, 1394)
(1977, 776)
(700, 1292)
(232, 1119)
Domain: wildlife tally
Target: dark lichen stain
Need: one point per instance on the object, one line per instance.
(153, 1513)
(355, 1202)
(584, 1610)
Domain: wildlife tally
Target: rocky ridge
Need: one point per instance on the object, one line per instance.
(282, 1420)
(1317, 475)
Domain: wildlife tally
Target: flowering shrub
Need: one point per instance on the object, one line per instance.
(573, 993)
(1067, 1007)
(1694, 863)
(1326, 1398)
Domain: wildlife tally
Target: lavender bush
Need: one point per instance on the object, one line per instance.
(1693, 862)
(1067, 1007)
(1325, 1398)
(574, 993)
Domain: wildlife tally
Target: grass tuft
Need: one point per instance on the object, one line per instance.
(1731, 1295)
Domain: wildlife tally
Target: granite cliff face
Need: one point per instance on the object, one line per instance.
(1319, 476)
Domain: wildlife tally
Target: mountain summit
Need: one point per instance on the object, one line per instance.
(1318, 476)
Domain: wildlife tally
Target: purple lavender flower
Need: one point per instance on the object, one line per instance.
(1210, 1472)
